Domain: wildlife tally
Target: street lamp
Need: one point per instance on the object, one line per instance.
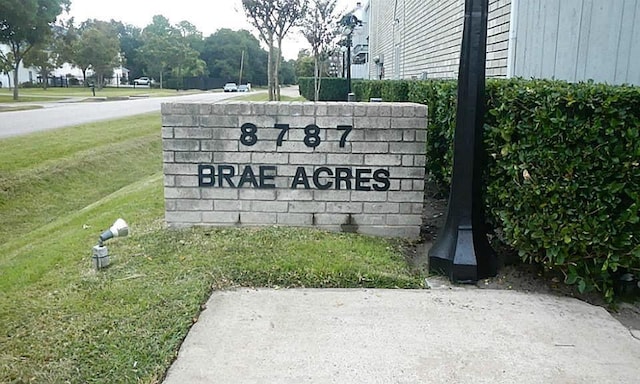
(349, 22)
(462, 250)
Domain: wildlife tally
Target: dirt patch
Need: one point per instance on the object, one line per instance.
(513, 275)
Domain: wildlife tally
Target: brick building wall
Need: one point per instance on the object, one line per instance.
(418, 37)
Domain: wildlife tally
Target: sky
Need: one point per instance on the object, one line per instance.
(207, 15)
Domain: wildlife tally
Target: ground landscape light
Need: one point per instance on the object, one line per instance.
(100, 256)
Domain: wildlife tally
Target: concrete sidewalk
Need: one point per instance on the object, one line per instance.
(444, 335)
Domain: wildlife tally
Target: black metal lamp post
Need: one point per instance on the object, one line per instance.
(349, 22)
(462, 251)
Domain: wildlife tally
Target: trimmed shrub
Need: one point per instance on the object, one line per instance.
(563, 179)
(331, 88)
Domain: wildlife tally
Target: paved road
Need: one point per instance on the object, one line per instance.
(60, 114)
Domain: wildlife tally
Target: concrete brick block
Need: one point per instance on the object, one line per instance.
(271, 109)
(420, 160)
(181, 193)
(257, 218)
(194, 205)
(221, 218)
(407, 160)
(257, 194)
(406, 208)
(170, 204)
(379, 208)
(335, 134)
(269, 158)
(294, 195)
(396, 220)
(344, 159)
(183, 217)
(331, 195)
(232, 205)
(269, 206)
(408, 172)
(334, 146)
(360, 109)
(219, 193)
(295, 109)
(193, 133)
(409, 122)
(369, 219)
(308, 109)
(168, 157)
(295, 219)
(193, 157)
(342, 207)
(166, 108)
(368, 196)
(220, 145)
(167, 132)
(205, 109)
(232, 158)
(367, 123)
(307, 206)
(331, 219)
(219, 121)
(311, 158)
(186, 181)
(406, 185)
(421, 136)
(383, 135)
(321, 109)
(384, 160)
(406, 197)
(179, 121)
(181, 145)
(332, 121)
(222, 133)
(169, 181)
(418, 185)
(260, 146)
(180, 169)
(369, 147)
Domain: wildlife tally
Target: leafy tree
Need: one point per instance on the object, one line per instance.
(304, 64)
(166, 47)
(273, 19)
(98, 48)
(44, 59)
(130, 40)
(222, 52)
(25, 24)
(319, 28)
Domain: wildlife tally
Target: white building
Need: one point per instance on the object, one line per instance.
(573, 40)
(28, 74)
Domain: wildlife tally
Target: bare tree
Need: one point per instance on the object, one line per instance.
(273, 19)
(319, 28)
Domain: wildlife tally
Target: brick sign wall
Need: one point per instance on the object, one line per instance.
(353, 167)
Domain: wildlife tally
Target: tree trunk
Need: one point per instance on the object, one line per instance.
(277, 69)
(316, 78)
(45, 76)
(15, 80)
(270, 72)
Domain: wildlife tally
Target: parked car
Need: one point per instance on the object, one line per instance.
(230, 87)
(142, 81)
(243, 88)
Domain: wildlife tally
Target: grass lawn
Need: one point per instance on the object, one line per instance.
(64, 322)
(52, 94)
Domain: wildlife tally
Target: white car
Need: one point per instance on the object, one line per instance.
(230, 87)
(243, 88)
(142, 81)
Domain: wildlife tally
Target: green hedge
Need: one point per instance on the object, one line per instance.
(331, 88)
(562, 184)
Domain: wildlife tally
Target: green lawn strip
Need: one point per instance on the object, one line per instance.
(69, 174)
(19, 108)
(51, 93)
(64, 322)
(27, 99)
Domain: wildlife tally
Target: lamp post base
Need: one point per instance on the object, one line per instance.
(461, 257)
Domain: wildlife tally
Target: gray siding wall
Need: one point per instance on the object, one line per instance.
(426, 35)
(577, 40)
